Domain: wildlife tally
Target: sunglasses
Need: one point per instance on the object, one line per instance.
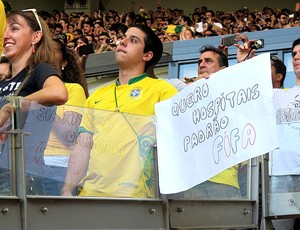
(36, 17)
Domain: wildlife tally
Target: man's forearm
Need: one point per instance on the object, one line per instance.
(78, 163)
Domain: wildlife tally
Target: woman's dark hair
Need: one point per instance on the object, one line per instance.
(152, 43)
(72, 72)
(188, 20)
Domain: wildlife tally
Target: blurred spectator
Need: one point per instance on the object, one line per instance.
(58, 29)
(77, 33)
(71, 45)
(88, 28)
(186, 34)
(282, 21)
(65, 25)
(103, 43)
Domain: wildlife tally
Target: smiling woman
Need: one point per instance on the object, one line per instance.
(33, 67)
(28, 47)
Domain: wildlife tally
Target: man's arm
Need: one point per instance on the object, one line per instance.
(78, 163)
(244, 51)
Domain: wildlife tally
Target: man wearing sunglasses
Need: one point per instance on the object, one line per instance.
(103, 42)
(283, 21)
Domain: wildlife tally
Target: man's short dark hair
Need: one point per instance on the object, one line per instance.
(78, 31)
(57, 25)
(90, 23)
(152, 43)
(104, 34)
(295, 43)
(117, 27)
(279, 67)
(223, 60)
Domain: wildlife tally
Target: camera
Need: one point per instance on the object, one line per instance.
(257, 44)
(109, 40)
(229, 40)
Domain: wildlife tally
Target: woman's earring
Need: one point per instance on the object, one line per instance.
(62, 68)
(32, 47)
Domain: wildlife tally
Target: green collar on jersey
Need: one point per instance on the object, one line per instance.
(133, 80)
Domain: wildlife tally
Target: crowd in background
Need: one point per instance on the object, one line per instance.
(102, 30)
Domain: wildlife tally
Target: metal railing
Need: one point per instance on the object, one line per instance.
(28, 200)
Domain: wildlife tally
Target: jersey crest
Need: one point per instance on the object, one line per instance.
(135, 93)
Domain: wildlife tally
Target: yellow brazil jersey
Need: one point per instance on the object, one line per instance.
(2, 25)
(121, 160)
(138, 97)
(228, 176)
(68, 118)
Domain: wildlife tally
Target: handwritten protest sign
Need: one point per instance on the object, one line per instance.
(214, 124)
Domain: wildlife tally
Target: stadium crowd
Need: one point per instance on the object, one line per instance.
(102, 30)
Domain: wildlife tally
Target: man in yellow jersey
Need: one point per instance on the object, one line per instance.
(111, 157)
(2, 25)
(225, 184)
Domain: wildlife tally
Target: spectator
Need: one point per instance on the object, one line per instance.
(224, 184)
(98, 28)
(88, 28)
(33, 58)
(104, 43)
(282, 21)
(65, 25)
(139, 50)
(77, 33)
(34, 75)
(71, 28)
(285, 169)
(58, 148)
(71, 45)
(58, 29)
(82, 40)
(186, 34)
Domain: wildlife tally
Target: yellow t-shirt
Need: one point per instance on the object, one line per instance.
(67, 121)
(121, 160)
(228, 176)
(138, 96)
(2, 25)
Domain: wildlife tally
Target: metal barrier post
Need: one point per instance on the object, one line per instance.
(18, 165)
(265, 223)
